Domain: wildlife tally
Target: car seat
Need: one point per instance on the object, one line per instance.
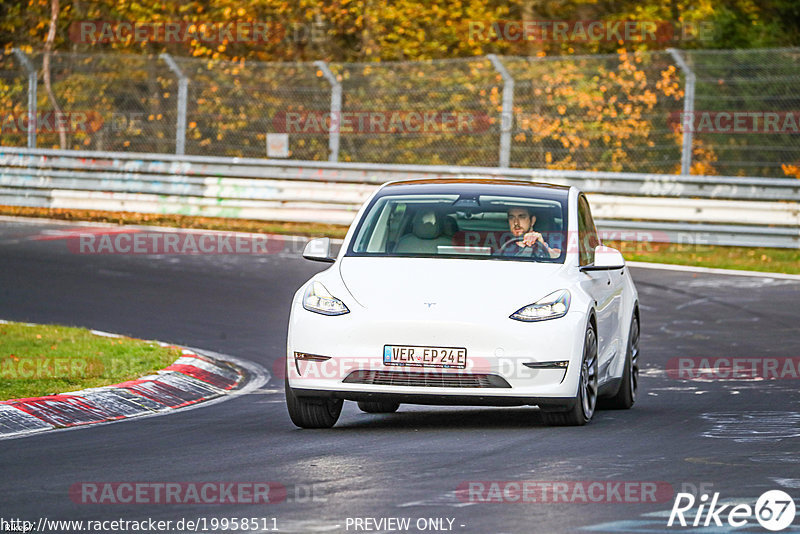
(426, 235)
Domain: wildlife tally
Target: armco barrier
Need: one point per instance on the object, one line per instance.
(690, 209)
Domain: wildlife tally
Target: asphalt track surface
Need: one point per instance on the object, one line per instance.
(736, 437)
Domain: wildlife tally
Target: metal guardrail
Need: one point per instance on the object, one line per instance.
(642, 207)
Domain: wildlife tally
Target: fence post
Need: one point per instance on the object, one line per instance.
(32, 95)
(336, 110)
(688, 111)
(180, 123)
(507, 115)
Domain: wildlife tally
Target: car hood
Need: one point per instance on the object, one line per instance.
(452, 285)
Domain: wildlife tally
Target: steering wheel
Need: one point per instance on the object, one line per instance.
(537, 247)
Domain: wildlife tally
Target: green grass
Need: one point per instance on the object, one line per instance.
(777, 260)
(46, 359)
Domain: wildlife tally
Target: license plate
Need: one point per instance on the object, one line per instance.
(416, 356)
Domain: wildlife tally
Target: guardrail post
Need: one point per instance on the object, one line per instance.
(336, 110)
(32, 95)
(507, 116)
(180, 123)
(688, 111)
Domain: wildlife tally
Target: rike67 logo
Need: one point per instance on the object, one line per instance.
(774, 510)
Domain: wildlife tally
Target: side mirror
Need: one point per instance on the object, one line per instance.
(605, 259)
(319, 250)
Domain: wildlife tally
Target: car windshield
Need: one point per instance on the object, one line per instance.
(462, 226)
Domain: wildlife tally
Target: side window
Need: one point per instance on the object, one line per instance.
(397, 218)
(587, 233)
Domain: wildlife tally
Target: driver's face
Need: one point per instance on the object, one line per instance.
(519, 221)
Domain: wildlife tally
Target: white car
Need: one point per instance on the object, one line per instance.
(435, 297)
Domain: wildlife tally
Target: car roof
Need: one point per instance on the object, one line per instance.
(477, 186)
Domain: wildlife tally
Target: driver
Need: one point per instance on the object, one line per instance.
(520, 223)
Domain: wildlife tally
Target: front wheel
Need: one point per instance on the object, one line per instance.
(586, 398)
(312, 412)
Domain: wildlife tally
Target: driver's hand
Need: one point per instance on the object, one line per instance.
(532, 237)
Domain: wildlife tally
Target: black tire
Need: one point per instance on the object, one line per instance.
(310, 412)
(585, 402)
(378, 406)
(626, 394)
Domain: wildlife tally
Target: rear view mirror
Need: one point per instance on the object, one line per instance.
(605, 259)
(319, 250)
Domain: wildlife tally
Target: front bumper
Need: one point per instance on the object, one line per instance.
(437, 399)
(498, 349)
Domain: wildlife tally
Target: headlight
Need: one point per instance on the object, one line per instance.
(553, 306)
(317, 299)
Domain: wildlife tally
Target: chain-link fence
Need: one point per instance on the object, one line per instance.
(99, 102)
(609, 112)
(232, 106)
(431, 112)
(14, 81)
(752, 86)
(618, 112)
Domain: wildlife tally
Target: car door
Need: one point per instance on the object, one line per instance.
(601, 286)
